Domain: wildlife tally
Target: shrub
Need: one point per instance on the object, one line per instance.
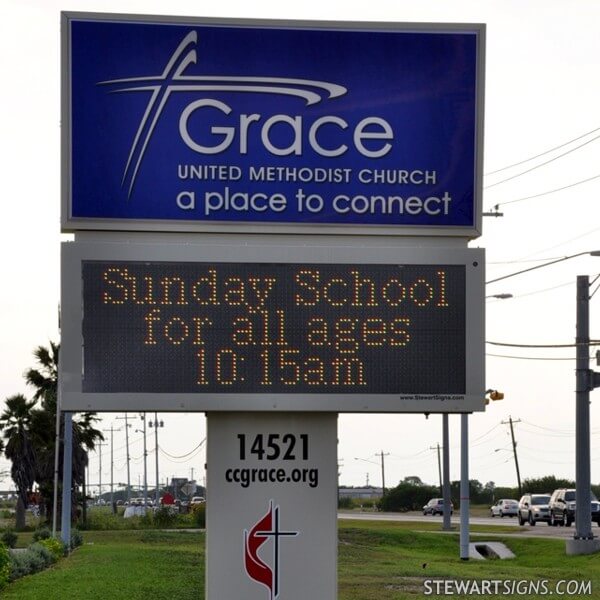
(34, 559)
(9, 538)
(42, 552)
(54, 546)
(146, 519)
(199, 515)
(164, 517)
(345, 502)
(76, 539)
(101, 520)
(43, 533)
(4, 565)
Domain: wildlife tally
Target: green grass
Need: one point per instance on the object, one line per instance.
(132, 565)
(380, 561)
(436, 525)
(377, 561)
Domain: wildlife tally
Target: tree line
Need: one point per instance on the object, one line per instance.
(412, 494)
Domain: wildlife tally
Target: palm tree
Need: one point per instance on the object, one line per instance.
(15, 424)
(44, 379)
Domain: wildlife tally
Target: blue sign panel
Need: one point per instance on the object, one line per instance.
(188, 124)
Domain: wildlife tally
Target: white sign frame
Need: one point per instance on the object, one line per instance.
(69, 223)
(249, 249)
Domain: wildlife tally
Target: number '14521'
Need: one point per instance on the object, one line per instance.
(273, 446)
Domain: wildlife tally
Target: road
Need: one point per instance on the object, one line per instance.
(540, 530)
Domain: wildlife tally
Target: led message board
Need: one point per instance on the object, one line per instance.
(190, 124)
(273, 328)
(305, 334)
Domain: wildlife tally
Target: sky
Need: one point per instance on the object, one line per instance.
(541, 100)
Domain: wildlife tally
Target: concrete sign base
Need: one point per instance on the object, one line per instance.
(271, 506)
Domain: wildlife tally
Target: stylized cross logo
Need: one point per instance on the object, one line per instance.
(256, 568)
(174, 79)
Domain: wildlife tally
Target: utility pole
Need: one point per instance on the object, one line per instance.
(99, 446)
(586, 381)
(514, 445)
(340, 464)
(127, 426)
(439, 459)
(382, 470)
(145, 466)
(112, 466)
(143, 431)
(156, 424)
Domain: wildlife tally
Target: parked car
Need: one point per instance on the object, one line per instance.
(505, 508)
(562, 507)
(534, 508)
(436, 507)
(197, 500)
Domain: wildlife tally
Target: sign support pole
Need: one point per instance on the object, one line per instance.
(464, 486)
(446, 459)
(56, 461)
(67, 479)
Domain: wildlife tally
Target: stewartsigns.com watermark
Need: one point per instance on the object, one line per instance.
(507, 587)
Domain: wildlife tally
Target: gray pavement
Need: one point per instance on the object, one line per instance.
(541, 530)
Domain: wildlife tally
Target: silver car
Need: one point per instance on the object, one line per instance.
(505, 508)
(534, 508)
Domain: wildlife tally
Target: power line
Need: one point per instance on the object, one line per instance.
(553, 262)
(521, 260)
(184, 455)
(548, 289)
(486, 433)
(570, 431)
(409, 456)
(591, 343)
(528, 357)
(547, 193)
(564, 242)
(492, 439)
(521, 162)
(541, 164)
(549, 434)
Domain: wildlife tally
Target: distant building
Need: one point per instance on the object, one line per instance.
(365, 493)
